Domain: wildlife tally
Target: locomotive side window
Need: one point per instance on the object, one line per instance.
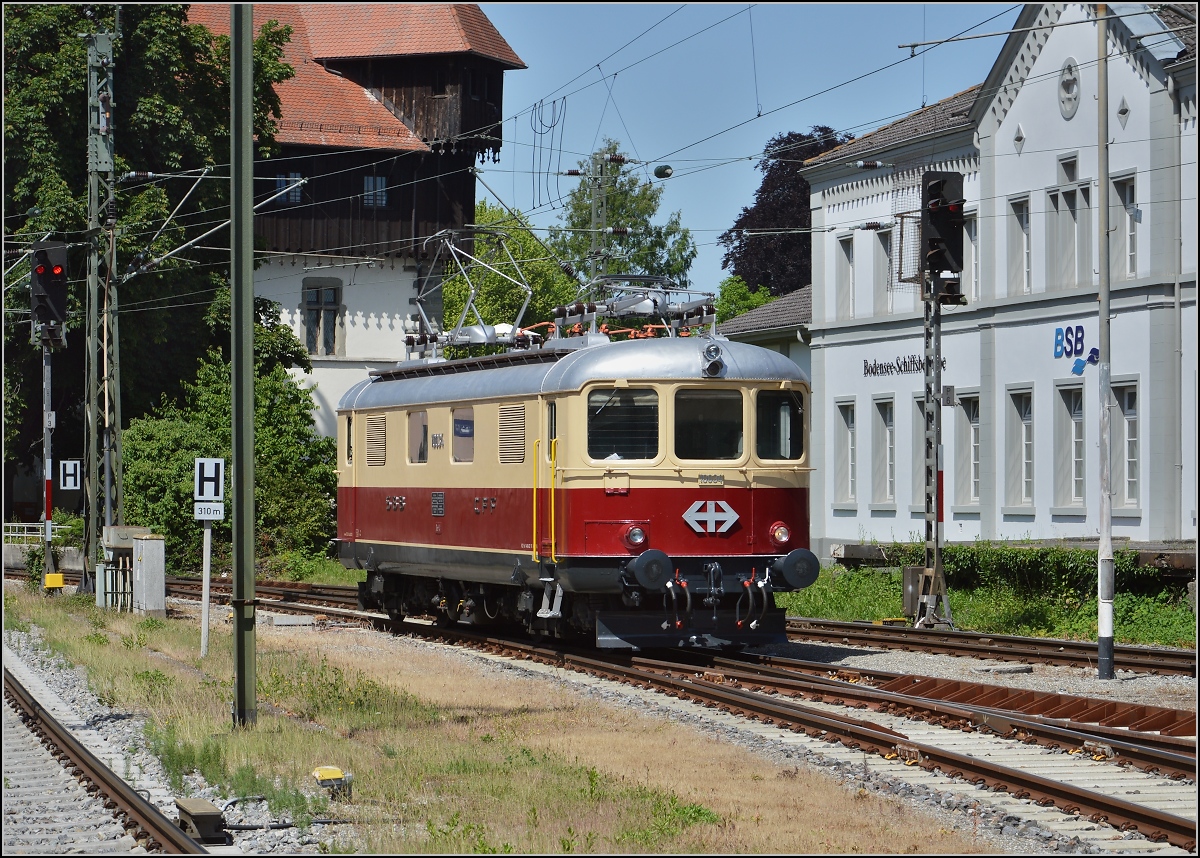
(622, 423)
(780, 425)
(418, 437)
(463, 446)
(708, 424)
(349, 439)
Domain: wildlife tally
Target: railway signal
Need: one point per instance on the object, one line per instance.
(48, 292)
(942, 222)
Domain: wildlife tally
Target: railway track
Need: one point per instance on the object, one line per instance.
(1077, 754)
(1085, 763)
(1082, 654)
(1004, 647)
(79, 814)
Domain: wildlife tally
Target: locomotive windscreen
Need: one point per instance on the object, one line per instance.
(622, 423)
(708, 424)
(780, 430)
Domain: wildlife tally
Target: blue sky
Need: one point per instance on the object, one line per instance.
(679, 103)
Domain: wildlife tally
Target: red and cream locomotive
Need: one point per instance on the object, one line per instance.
(651, 492)
(642, 493)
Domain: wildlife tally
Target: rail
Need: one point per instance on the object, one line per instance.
(161, 832)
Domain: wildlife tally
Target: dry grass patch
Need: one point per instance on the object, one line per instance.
(451, 757)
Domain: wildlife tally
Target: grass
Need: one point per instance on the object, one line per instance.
(448, 758)
(874, 594)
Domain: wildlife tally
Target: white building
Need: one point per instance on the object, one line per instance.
(1021, 446)
(391, 106)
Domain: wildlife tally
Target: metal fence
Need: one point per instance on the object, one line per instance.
(16, 533)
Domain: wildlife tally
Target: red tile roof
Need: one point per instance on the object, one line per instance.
(321, 108)
(343, 31)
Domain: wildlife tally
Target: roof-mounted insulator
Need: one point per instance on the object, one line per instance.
(577, 309)
(871, 165)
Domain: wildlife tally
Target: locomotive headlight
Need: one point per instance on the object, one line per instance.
(780, 533)
(635, 537)
(712, 351)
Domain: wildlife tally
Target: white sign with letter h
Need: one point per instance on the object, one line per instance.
(210, 480)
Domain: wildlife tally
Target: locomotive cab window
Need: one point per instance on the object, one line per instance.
(463, 447)
(622, 423)
(780, 425)
(708, 424)
(418, 437)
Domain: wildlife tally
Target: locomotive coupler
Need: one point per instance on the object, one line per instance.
(631, 596)
(715, 588)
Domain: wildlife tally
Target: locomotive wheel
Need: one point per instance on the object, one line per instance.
(395, 610)
(444, 621)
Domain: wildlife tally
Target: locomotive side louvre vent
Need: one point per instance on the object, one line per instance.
(376, 440)
(512, 434)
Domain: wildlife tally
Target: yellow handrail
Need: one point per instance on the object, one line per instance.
(553, 474)
(534, 543)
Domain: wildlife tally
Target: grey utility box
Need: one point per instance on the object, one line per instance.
(114, 576)
(150, 576)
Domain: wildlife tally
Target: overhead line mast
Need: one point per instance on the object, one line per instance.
(103, 430)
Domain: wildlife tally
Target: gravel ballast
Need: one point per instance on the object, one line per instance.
(965, 809)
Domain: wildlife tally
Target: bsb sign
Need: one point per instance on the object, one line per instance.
(1069, 342)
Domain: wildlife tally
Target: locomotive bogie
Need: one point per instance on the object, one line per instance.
(615, 492)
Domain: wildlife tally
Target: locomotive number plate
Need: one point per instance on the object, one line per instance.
(711, 479)
(439, 503)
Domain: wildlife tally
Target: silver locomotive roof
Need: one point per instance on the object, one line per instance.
(548, 371)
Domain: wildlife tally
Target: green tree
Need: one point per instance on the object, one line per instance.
(171, 115)
(737, 298)
(663, 250)
(295, 482)
(498, 299)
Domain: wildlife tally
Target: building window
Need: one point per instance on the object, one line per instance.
(885, 270)
(1020, 449)
(1073, 410)
(1020, 259)
(971, 228)
(885, 451)
(375, 191)
(321, 309)
(845, 278)
(969, 458)
(1127, 436)
(847, 454)
(282, 181)
(1062, 239)
(462, 442)
(1126, 193)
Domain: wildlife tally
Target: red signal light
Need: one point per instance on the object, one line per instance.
(41, 269)
(56, 270)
